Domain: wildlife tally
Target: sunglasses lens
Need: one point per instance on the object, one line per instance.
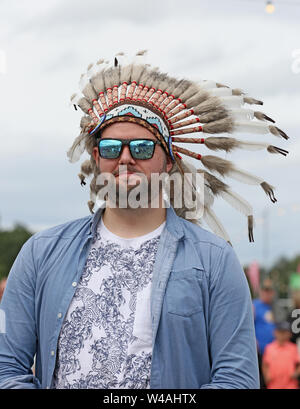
(142, 149)
(110, 148)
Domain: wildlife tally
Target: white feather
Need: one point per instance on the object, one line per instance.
(244, 177)
(237, 202)
(220, 92)
(252, 146)
(234, 101)
(251, 127)
(77, 149)
(125, 73)
(242, 113)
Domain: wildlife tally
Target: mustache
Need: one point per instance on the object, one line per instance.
(123, 168)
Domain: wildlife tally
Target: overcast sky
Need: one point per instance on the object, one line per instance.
(46, 45)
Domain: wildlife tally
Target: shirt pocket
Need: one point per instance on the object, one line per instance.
(183, 292)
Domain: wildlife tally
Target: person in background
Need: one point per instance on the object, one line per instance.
(281, 360)
(264, 320)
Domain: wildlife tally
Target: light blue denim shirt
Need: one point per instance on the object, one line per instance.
(202, 319)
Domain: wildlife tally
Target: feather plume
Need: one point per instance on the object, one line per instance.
(125, 73)
(268, 189)
(237, 91)
(84, 105)
(216, 185)
(86, 168)
(277, 132)
(220, 126)
(190, 91)
(77, 148)
(211, 104)
(218, 113)
(242, 113)
(234, 101)
(196, 99)
(262, 117)
(97, 81)
(220, 92)
(251, 127)
(237, 202)
(87, 88)
(249, 100)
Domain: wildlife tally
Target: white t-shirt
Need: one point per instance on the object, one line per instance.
(106, 338)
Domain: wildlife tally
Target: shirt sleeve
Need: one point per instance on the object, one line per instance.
(18, 337)
(234, 362)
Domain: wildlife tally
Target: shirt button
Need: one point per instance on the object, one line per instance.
(59, 315)
(74, 284)
(52, 353)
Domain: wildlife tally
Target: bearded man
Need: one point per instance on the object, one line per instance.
(139, 296)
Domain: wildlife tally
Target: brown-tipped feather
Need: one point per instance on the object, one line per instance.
(269, 191)
(196, 99)
(222, 125)
(216, 185)
(250, 229)
(86, 167)
(275, 149)
(82, 179)
(220, 143)
(278, 132)
(211, 104)
(251, 101)
(237, 91)
(218, 113)
(91, 205)
(220, 165)
(84, 105)
(263, 117)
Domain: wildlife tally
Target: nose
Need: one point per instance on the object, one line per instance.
(125, 156)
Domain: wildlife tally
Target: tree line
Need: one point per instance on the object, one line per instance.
(12, 240)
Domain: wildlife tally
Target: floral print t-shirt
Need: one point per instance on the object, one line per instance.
(106, 338)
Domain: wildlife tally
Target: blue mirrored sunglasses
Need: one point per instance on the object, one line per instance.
(139, 148)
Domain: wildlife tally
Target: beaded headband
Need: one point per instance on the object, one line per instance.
(173, 108)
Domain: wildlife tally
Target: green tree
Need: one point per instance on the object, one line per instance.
(11, 242)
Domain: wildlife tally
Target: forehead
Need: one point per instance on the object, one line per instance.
(127, 130)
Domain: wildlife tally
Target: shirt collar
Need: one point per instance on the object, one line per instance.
(173, 222)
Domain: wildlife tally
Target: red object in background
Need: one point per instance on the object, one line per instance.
(253, 276)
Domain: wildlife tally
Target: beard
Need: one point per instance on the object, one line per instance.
(134, 190)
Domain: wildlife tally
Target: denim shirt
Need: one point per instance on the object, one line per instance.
(202, 319)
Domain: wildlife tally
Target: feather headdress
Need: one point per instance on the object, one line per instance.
(175, 108)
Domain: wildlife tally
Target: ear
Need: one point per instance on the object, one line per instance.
(96, 156)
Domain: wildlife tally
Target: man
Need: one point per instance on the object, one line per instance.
(133, 296)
